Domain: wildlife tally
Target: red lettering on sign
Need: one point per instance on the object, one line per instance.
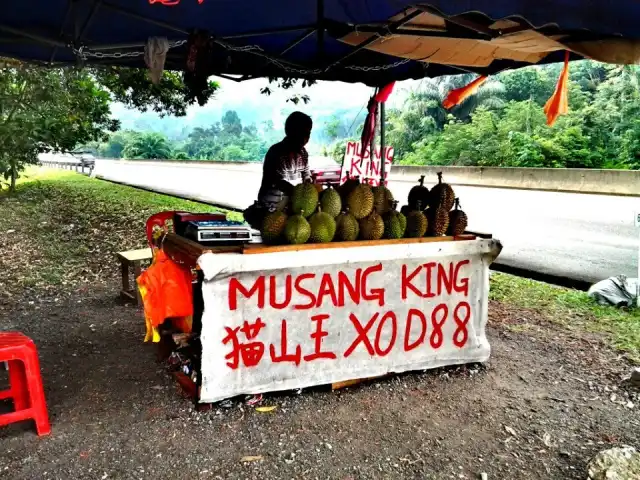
(235, 286)
(303, 291)
(273, 290)
(405, 282)
(327, 288)
(437, 338)
(284, 356)
(250, 352)
(461, 285)
(352, 149)
(344, 283)
(376, 293)
(317, 336)
(362, 334)
(444, 280)
(354, 169)
(394, 331)
(423, 321)
(429, 267)
(374, 167)
(461, 335)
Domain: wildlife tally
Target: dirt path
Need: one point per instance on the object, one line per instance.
(539, 409)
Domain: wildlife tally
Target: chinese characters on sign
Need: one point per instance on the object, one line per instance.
(432, 319)
(365, 168)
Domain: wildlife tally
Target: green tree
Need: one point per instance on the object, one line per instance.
(231, 124)
(148, 145)
(132, 87)
(115, 144)
(47, 110)
(423, 114)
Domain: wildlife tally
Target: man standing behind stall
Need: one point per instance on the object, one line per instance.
(287, 162)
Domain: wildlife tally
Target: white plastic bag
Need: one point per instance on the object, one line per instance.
(618, 291)
(155, 54)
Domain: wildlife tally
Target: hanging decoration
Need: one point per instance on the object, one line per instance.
(459, 95)
(558, 104)
(155, 55)
(199, 65)
(369, 128)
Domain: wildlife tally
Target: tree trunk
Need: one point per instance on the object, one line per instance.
(14, 177)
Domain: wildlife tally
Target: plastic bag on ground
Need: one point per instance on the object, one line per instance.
(618, 291)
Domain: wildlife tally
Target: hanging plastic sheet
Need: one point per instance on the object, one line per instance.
(166, 293)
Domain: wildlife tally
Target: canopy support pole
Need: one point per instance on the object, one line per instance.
(64, 24)
(33, 36)
(468, 24)
(383, 174)
(320, 29)
(257, 33)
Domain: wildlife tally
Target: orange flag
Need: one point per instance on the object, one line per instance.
(459, 95)
(558, 104)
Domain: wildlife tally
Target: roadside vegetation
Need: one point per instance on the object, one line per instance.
(61, 230)
(571, 309)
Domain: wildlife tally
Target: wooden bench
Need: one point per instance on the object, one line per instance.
(132, 260)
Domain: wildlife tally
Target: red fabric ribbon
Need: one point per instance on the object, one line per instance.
(558, 104)
(459, 95)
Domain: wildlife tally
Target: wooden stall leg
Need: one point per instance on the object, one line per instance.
(137, 270)
(126, 288)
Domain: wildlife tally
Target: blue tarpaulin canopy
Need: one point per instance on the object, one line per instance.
(369, 41)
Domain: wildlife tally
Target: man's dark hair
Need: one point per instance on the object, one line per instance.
(298, 125)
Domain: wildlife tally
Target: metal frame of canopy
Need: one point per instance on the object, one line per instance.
(76, 23)
(80, 15)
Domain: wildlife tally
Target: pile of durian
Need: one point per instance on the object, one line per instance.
(356, 210)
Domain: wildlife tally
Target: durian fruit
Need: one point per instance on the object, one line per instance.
(297, 230)
(347, 227)
(441, 195)
(372, 226)
(382, 199)
(273, 227)
(416, 223)
(438, 219)
(402, 218)
(360, 201)
(323, 227)
(330, 202)
(346, 188)
(457, 220)
(405, 210)
(395, 223)
(304, 198)
(418, 193)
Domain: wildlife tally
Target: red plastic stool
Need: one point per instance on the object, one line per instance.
(26, 390)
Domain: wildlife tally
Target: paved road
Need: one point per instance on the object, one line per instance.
(578, 236)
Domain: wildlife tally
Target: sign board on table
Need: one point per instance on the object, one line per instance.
(289, 320)
(365, 168)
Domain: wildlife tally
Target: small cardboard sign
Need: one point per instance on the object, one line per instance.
(366, 168)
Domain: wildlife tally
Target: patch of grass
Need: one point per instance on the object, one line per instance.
(61, 229)
(572, 309)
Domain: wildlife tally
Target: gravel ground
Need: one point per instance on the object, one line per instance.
(547, 401)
